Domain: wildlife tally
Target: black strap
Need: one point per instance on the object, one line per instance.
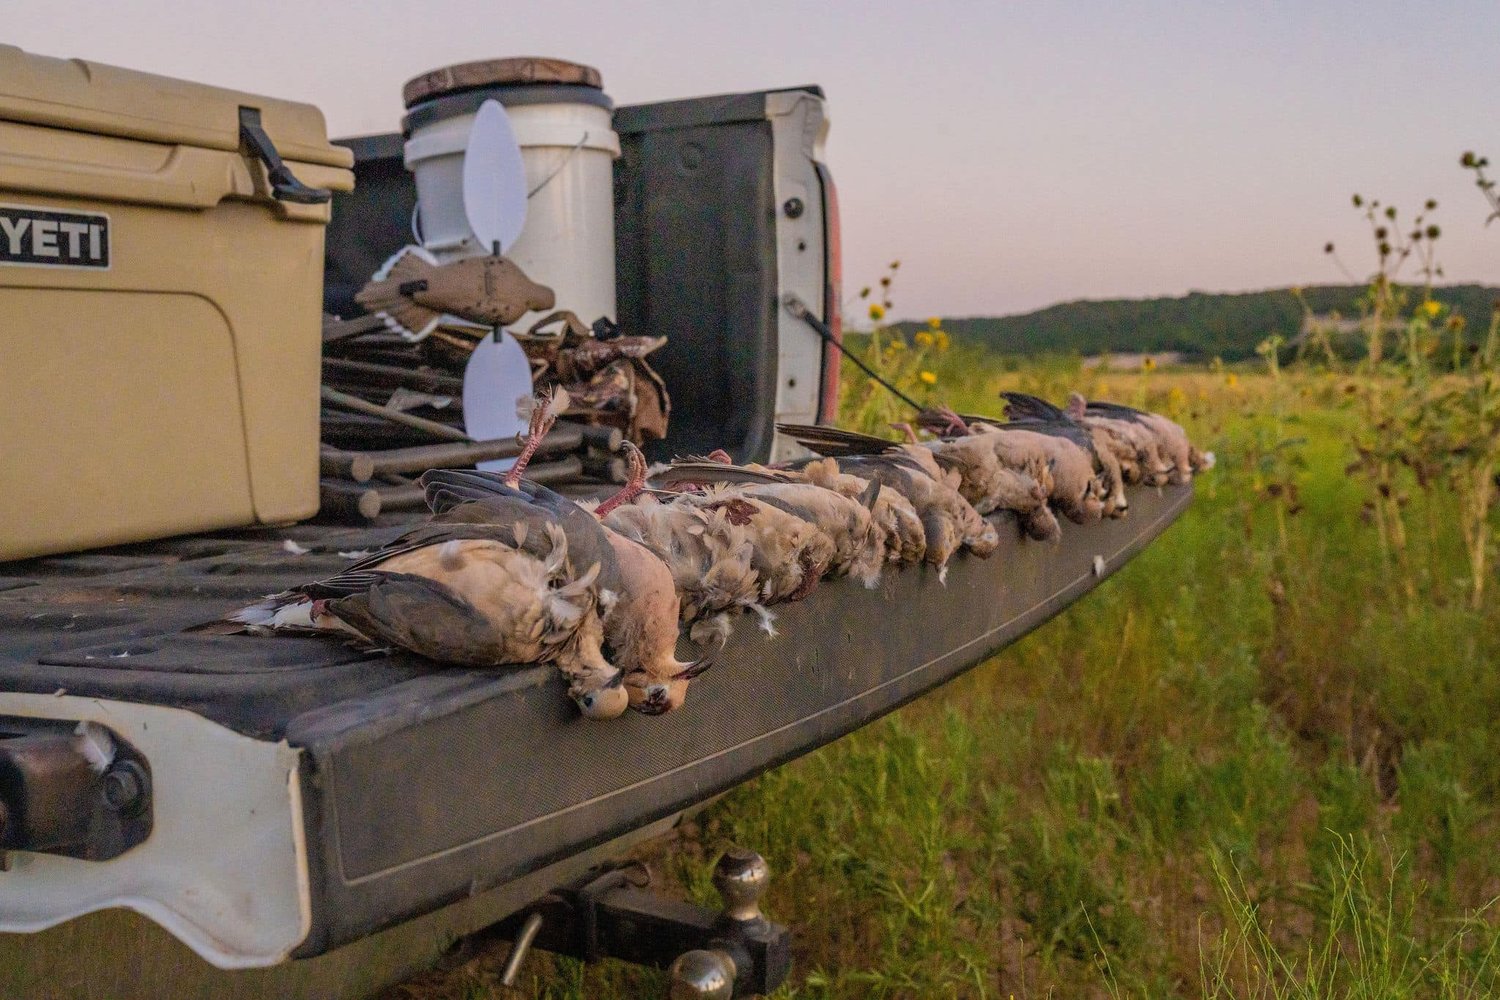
(799, 309)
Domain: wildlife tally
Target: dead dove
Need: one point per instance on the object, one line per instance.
(990, 484)
(948, 520)
(1172, 440)
(462, 594)
(710, 557)
(790, 555)
(1031, 445)
(1133, 445)
(859, 540)
(637, 597)
(1038, 414)
(905, 540)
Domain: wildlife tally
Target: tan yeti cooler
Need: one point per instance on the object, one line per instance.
(160, 301)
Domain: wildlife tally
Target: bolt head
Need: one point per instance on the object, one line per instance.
(124, 784)
(701, 975)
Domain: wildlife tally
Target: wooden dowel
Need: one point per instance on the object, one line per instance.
(608, 468)
(429, 381)
(394, 498)
(341, 399)
(603, 438)
(353, 465)
(420, 458)
(348, 501)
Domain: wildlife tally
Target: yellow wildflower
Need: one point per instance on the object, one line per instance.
(927, 377)
(942, 340)
(877, 311)
(1148, 364)
(934, 322)
(897, 344)
(1432, 308)
(1232, 380)
(924, 339)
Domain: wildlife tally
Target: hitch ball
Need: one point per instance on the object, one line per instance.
(742, 877)
(702, 975)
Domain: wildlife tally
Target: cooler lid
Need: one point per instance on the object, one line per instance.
(92, 97)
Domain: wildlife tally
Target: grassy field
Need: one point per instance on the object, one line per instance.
(1262, 761)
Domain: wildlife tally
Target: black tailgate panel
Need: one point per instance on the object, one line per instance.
(695, 260)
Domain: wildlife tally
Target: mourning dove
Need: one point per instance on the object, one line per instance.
(638, 600)
(462, 594)
(1109, 481)
(948, 520)
(1172, 441)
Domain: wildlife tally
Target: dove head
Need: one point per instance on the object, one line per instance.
(658, 697)
(606, 700)
(943, 537)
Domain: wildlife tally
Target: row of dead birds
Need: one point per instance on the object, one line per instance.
(508, 572)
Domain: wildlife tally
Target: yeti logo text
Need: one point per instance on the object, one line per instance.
(40, 237)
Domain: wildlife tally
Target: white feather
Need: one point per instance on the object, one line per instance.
(96, 745)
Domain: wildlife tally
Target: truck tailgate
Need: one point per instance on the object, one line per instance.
(421, 785)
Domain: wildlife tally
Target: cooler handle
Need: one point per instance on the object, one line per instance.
(284, 186)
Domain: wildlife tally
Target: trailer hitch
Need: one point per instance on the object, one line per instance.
(736, 952)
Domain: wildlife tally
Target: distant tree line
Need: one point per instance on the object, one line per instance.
(1201, 325)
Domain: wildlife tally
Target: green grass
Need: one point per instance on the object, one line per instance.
(1244, 767)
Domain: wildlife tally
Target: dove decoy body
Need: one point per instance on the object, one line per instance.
(412, 292)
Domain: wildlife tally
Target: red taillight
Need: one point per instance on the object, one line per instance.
(828, 396)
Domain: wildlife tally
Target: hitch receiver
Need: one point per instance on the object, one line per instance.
(611, 913)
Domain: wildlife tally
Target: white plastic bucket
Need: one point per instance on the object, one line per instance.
(568, 242)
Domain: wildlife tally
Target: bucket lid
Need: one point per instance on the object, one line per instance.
(498, 72)
(106, 100)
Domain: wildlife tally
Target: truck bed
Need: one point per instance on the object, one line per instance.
(422, 785)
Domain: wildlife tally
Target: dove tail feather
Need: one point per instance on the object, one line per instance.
(835, 440)
(1023, 404)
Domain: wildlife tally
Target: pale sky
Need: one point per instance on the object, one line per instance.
(1012, 155)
